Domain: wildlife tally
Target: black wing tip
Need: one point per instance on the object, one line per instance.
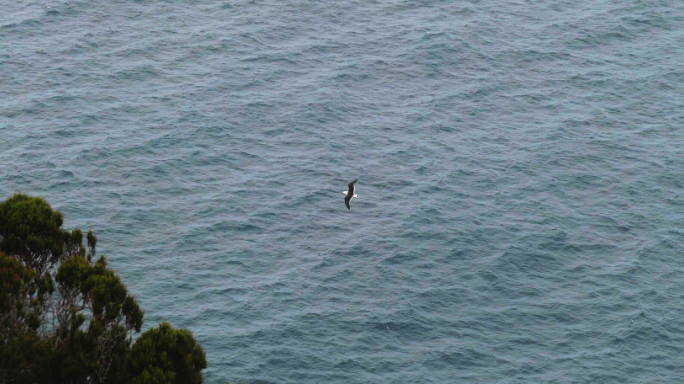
(350, 194)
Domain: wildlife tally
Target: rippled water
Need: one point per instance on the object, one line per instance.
(520, 169)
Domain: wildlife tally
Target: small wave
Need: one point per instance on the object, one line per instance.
(64, 173)
(401, 258)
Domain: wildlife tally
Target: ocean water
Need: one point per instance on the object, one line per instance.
(520, 169)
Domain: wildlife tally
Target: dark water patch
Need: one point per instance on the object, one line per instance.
(400, 259)
(460, 359)
(435, 298)
(520, 260)
(65, 174)
(139, 73)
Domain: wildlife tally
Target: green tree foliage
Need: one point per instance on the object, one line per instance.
(67, 319)
(31, 231)
(167, 355)
(23, 297)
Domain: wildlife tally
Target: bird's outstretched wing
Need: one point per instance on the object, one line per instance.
(347, 200)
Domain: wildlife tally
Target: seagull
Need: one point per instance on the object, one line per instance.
(350, 194)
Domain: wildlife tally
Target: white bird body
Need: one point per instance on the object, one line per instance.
(350, 194)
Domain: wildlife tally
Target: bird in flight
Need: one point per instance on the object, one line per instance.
(350, 194)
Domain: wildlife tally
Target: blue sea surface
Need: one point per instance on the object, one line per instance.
(520, 166)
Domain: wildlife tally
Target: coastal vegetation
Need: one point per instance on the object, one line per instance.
(66, 317)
